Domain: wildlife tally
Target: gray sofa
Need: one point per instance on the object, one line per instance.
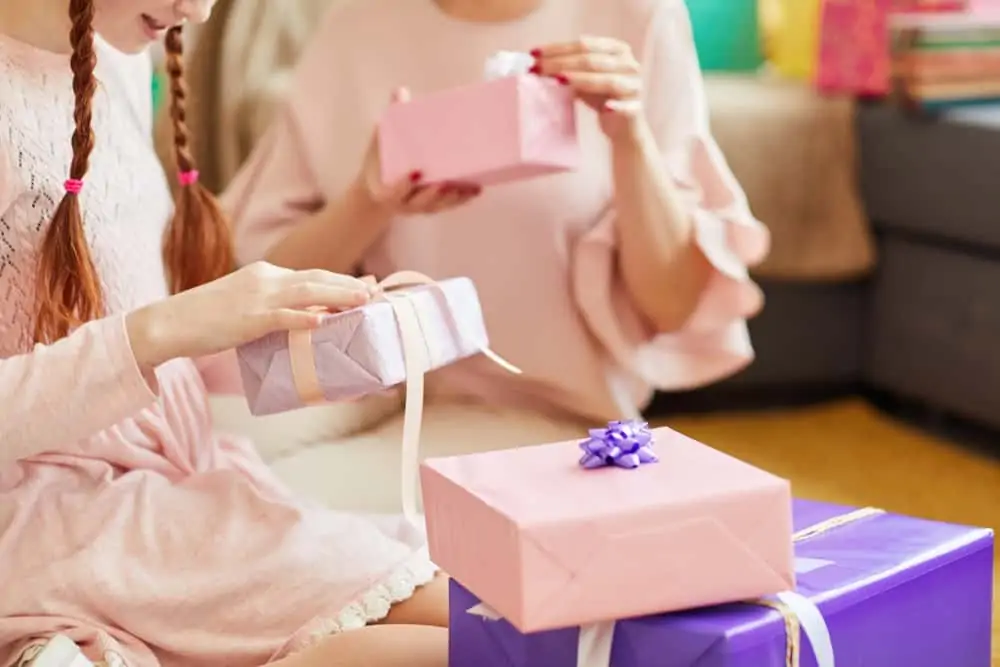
(932, 188)
(924, 330)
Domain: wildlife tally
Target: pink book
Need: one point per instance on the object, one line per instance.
(510, 128)
(854, 47)
(930, 5)
(571, 533)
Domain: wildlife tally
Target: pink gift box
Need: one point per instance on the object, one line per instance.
(510, 128)
(548, 544)
(854, 47)
(359, 352)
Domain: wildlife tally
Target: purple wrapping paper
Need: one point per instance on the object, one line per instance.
(895, 592)
(359, 351)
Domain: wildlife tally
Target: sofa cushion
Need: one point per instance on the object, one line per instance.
(934, 326)
(936, 178)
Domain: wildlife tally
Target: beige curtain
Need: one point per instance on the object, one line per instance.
(238, 69)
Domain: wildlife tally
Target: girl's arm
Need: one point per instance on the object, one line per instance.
(59, 394)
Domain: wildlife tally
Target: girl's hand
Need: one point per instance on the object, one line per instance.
(605, 76)
(409, 196)
(238, 308)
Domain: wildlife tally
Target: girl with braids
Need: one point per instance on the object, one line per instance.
(128, 528)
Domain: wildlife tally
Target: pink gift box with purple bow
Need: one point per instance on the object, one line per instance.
(513, 126)
(572, 533)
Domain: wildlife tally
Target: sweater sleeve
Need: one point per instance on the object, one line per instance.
(714, 343)
(61, 393)
(58, 394)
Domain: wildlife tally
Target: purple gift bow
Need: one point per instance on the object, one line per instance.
(622, 444)
(416, 359)
(799, 612)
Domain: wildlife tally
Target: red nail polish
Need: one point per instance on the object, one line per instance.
(535, 69)
(416, 176)
(563, 79)
(536, 53)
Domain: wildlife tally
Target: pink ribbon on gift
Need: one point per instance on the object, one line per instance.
(416, 359)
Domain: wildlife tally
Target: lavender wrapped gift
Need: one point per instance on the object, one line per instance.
(364, 350)
(894, 592)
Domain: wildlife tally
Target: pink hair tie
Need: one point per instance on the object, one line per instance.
(187, 178)
(73, 186)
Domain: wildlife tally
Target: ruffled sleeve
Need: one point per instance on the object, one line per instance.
(275, 188)
(714, 343)
(280, 183)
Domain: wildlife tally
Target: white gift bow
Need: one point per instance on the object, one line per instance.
(507, 63)
(416, 359)
(799, 613)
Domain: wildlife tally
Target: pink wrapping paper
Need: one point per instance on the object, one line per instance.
(854, 47)
(548, 544)
(507, 129)
(359, 351)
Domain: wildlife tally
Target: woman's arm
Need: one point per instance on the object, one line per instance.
(658, 252)
(280, 212)
(674, 196)
(311, 194)
(685, 232)
(336, 237)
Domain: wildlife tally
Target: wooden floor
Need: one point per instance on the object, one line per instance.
(848, 452)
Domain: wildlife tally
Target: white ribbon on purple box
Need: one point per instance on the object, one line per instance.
(798, 612)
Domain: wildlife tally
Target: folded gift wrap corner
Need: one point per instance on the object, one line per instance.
(512, 126)
(359, 351)
(548, 544)
(568, 582)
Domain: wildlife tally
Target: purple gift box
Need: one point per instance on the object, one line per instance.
(895, 591)
(360, 351)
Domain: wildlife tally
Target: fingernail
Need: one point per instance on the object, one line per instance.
(535, 53)
(562, 78)
(535, 69)
(416, 176)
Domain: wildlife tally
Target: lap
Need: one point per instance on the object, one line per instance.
(361, 472)
(377, 646)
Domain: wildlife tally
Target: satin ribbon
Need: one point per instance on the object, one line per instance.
(417, 360)
(798, 613)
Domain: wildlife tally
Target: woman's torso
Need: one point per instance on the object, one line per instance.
(515, 241)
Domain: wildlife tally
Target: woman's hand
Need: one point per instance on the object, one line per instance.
(243, 306)
(409, 196)
(604, 74)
